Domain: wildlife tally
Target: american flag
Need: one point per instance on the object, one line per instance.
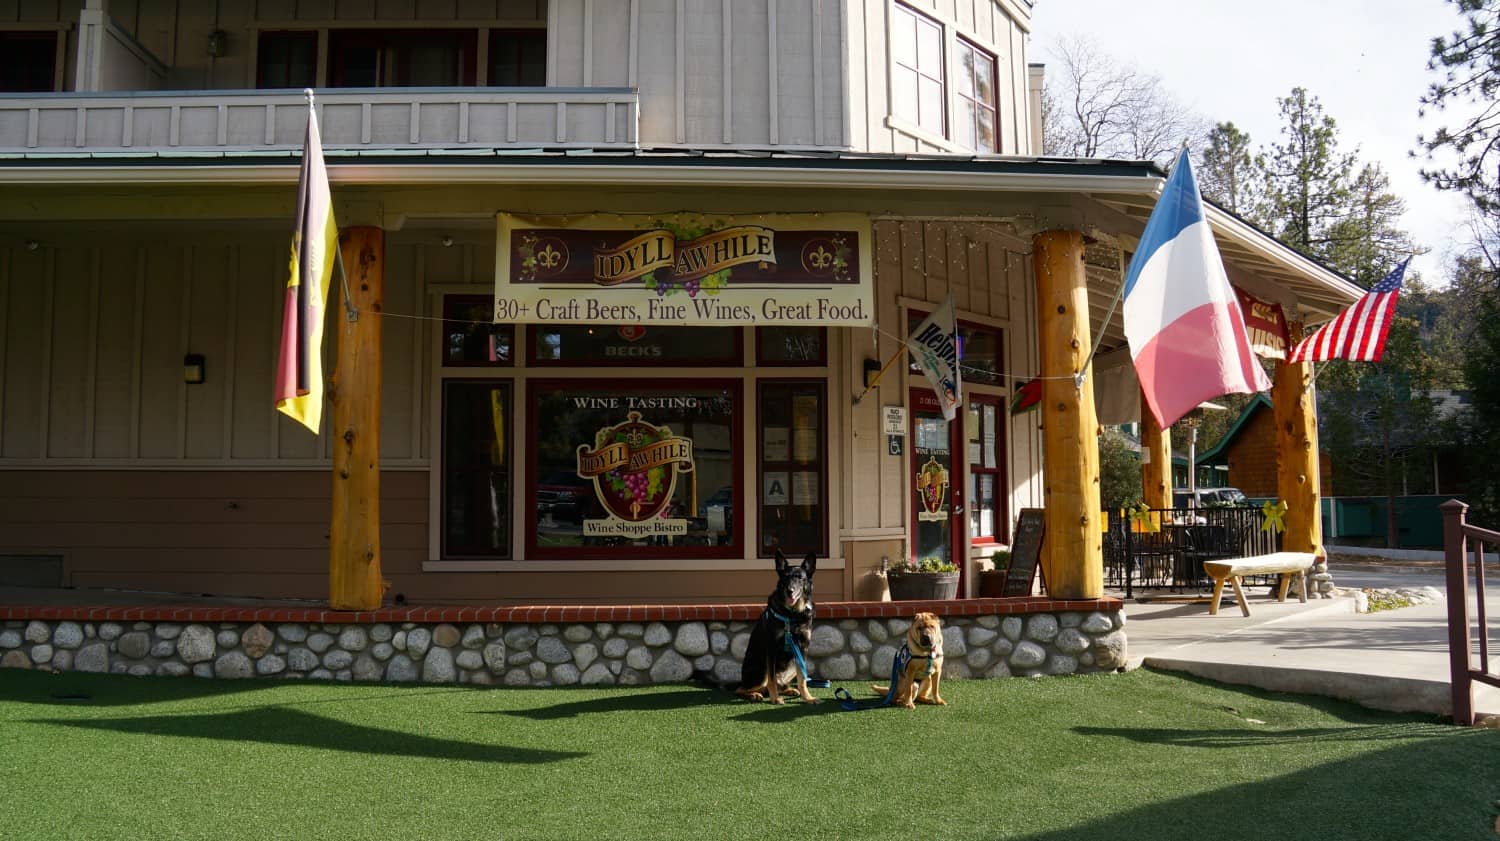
(1358, 334)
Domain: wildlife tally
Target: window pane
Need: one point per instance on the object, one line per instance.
(965, 81)
(431, 64)
(979, 353)
(792, 475)
(930, 103)
(904, 94)
(986, 140)
(963, 124)
(633, 469)
(989, 436)
(28, 61)
(790, 346)
(984, 80)
(929, 49)
(469, 337)
(518, 58)
(476, 469)
(630, 344)
(904, 37)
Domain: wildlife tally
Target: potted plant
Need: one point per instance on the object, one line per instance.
(992, 581)
(929, 578)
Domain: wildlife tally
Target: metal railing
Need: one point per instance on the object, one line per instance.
(1457, 534)
(1170, 551)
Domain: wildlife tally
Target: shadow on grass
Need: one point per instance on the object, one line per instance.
(1440, 786)
(1332, 707)
(1255, 737)
(91, 690)
(767, 713)
(637, 701)
(293, 728)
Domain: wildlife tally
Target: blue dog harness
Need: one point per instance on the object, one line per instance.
(790, 644)
(898, 664)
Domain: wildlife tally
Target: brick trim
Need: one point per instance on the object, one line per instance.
(535, 614)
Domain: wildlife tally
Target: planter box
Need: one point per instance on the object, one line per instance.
(915, 586)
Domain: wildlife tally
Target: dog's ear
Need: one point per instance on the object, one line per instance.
(810, 564)
(780, 562)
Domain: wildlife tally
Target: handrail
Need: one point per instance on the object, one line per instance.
(1462, 673)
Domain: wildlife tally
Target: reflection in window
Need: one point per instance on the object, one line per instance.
(470, 338)
(974, 124)
(476, 469)
(634, 469)
(633, 344)
(518, 57)
(790, 346)
(980, 351)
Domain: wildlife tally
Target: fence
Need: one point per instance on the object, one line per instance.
(1166, 547)
(1456, 536)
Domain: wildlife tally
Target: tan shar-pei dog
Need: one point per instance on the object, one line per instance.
(922, 654)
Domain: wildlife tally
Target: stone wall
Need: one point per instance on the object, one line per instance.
(561, 654)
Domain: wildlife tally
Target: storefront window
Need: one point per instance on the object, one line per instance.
(791, 346)
(469, 338)
(792, 471)
(633, 344)
(980, 351)
(986, 445)
(476, 469)
(634, 469)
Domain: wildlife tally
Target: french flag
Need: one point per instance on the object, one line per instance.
(1182, 319)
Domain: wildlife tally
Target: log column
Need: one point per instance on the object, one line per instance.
(1156, 461)
(1297, 454)
(1073, 558)
(354, 579)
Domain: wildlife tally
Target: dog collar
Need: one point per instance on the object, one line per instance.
(785, 620)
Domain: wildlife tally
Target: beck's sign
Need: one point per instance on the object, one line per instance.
(685, 270)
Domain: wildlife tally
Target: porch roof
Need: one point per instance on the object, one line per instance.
(1126, 190)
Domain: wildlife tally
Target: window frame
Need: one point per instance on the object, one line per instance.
(821, 459)
(968, 94)
(1000, 533)
(762, 362)
(455, 300)
(915, 118)
(625, 555)
(507, 552)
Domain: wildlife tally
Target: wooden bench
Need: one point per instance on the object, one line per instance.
(1285, 564)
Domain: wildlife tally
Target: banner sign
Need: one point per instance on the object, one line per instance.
(1266, 324)
(934, 343)
(634, 466)
(685, 270)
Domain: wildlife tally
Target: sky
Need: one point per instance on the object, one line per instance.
(1365, 60)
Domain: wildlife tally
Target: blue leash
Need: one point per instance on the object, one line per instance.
(791, 645)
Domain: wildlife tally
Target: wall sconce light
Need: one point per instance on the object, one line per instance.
(193, 370)
(218, 43)
(872, 371)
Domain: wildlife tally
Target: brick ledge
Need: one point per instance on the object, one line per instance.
(532, 614)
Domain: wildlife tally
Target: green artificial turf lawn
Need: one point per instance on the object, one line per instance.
(1141, 755)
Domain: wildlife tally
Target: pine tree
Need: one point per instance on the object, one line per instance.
(1308, 181)
(1469, 61)
(1228, 171)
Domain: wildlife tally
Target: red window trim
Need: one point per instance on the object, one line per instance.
(736, 549)
(999, 471)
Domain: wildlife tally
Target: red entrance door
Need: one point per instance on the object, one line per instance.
(937, 499)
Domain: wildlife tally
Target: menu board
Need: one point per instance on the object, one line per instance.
(1025, 553)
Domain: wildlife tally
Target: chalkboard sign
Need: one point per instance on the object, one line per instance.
(1025, 552)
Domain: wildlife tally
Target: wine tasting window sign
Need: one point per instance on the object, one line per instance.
(687, 270)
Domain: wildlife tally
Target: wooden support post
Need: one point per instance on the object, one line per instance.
(354, 579)
(1297, 464)
(1156, 461)
(1073, 560)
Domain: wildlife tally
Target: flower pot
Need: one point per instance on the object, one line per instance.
(914, 586)
(992, 583)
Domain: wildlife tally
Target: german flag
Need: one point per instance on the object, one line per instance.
(315, 242)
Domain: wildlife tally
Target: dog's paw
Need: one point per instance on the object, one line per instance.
(911, 705)
(777, 701)
(811, 700)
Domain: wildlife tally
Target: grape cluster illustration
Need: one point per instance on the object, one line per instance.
(637, 487)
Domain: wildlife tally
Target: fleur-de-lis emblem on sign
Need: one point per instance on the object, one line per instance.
(548, 257)
(821, 259)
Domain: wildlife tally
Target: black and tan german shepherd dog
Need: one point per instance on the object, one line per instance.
(770, 665)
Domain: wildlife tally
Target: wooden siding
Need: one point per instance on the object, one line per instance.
(265, 534)
(994, 25)
(92, 339)
(988, 271)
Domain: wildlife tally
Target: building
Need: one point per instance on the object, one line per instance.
(887, 151)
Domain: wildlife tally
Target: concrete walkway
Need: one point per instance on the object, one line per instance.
(1393, 660)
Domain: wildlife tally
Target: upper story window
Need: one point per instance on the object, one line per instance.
(287, 60)
(917, 70)
(974, 122)
(518, 58)
(377, 58)
(955, 100)
(28, 61)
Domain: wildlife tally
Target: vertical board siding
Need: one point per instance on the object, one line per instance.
(747, 84)
(705, 66)
(92, 341)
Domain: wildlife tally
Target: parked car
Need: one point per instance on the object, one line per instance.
(1204, 497)
(564, 495)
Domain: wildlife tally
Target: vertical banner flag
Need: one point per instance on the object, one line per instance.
(315, 242)
(934, 343)
(1186, 332)
(1358, 333)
